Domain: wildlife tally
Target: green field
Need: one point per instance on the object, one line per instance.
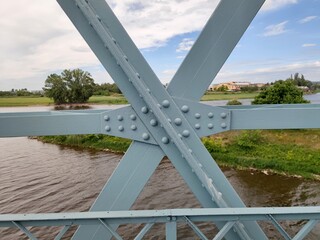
(114, 99)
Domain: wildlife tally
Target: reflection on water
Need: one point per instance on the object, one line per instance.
(37, 177)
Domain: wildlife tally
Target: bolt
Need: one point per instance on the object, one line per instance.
(153, 122)
(107, 128)
(106, 118)
(210, 125)
(165, 140)
(144, 110)
(178, 121)
(197, 126)
(185, 108)
(186, 133)
(223, 115)
(165, 103)
(133, 127)
(210, 115)
(174, 218)
(145, 136)
(120, 128)
(223, 125)
(197, 115)
(120, 117)
(133, 117)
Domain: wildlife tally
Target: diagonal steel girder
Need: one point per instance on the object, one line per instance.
(159, 111)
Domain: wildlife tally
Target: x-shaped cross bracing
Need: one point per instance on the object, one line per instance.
(167, 115)
(163, 122)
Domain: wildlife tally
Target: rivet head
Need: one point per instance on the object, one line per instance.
(120, 117)
(185, 133)
(197, 115)
(169, 120)
(185, 108)
(210, 115)
(153, 122)
(178, 121)
(133, 117)
(165, 103)
(223, 115)
(106, 118)
(145, 136)
(133, 127)
(179, 135)
(165, 140)
(190, 150)
(120, 128)
(210, 125)
(197, 126)
(108, 128)
(223, 125)
(144, 110)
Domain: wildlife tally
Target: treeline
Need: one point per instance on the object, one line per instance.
(106, 89)
(21, 93)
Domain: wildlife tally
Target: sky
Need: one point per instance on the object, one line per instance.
(37, 39)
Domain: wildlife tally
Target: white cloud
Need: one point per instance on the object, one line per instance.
(185, 45)
(276, 29)
(309, 45)
(276, 4)
(308, 19)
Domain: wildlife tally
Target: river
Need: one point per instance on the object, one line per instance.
(37, 177)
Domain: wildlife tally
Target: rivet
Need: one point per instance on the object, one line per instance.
(133, 117)
(144, 110)
(197, 126)
(148, 90)
(114, 41)
(99, 19)
(169, 120)
(223, 115)
(165, 103)
(120, 128)
(179, 135)
(145, 136)
(165, 140)
(186, 133)
(192, 170)
(174, 218)
(223, 125)
(202, 185)
(210, 115)
(200, 165)
(159, 105)
(120, 117)
(190, 150)
(178, 121)
(106, 118)
(125, 57)
(197, 115)
(153, 122)
(133, 127)
(210, 125)
(138, 75)
(185, 108)
(108, 128)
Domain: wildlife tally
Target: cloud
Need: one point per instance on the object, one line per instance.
(185, 45)
(307, 19)
(270, 5)
(277, 29)
(309, 45)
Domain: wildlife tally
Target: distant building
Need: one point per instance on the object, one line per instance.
(234, 86)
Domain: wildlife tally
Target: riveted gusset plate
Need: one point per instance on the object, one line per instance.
(205, 119)
(125, 123)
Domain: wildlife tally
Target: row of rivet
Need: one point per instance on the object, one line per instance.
(120, 117)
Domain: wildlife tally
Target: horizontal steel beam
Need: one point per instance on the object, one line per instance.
(162, 216)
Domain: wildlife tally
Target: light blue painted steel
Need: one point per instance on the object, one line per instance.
(147, 86)
(226, 228)
(279, 228)
(62, 232)
(170, 217)
(306, 229)
(24, 230)
(171, 230)
(125, 184)
(196, 229)
(214, 45)
(143, 231)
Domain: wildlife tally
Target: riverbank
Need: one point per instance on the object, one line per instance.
(285, 152)
(112, 99)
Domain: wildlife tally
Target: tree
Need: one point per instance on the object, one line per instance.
(72, 86)
(281, 92)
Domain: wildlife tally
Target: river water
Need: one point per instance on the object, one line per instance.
(36, 177)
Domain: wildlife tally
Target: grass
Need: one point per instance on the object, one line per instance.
(113, 99)
(289, 152)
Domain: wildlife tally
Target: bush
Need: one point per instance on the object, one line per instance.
(234, 102)
(249, 139)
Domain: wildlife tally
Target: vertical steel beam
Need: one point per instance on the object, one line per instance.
(171, 230)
